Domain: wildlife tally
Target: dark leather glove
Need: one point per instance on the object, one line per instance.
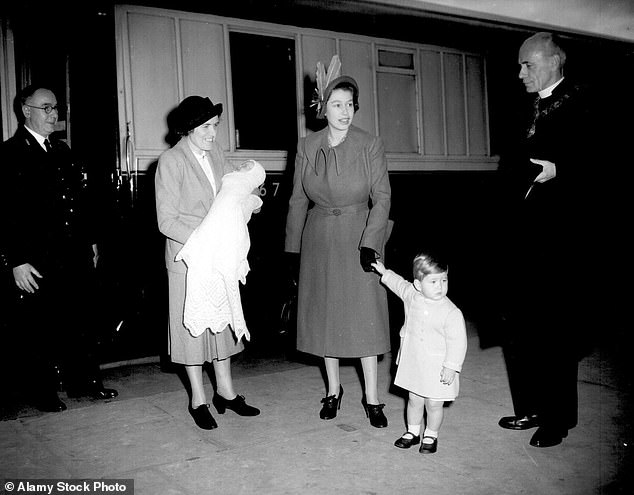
(368, 256)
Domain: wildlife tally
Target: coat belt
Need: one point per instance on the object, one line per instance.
(340, 210)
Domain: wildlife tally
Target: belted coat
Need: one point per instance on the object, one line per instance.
(340, 203)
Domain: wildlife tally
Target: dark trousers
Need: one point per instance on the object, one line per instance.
(546, 330)
(549, 253)
(542, 370)
(57, 327)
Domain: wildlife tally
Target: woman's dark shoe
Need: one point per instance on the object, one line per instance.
(237, 405)
(375, 413)
(407, 440)
(202, 417)
(331, 404)
(429, 448)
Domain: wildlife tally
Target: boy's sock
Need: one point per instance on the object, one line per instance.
(415, 429)
(429, 433)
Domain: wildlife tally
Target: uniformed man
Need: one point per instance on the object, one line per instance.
(50, 248)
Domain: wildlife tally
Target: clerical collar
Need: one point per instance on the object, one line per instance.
(39, 137)
(546, 92)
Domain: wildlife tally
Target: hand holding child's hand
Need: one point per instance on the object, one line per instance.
(379, 267)
(447, 376)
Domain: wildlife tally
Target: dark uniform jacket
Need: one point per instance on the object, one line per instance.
(49, 224)
(48, 211)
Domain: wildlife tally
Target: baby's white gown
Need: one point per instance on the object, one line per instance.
(216, 256)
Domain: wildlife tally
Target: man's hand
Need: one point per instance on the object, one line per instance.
(549, 170)
(95, 258)
(24, 276)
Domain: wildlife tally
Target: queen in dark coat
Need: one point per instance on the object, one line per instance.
(338, 219)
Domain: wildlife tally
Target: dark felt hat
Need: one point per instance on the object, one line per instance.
(194, 111)
(341, 80)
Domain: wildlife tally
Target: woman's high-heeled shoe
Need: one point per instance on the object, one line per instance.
(237, 405)
(202, 417)
(331, 404)
(375, 413)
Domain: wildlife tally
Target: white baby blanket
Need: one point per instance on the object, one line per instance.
(216, 255)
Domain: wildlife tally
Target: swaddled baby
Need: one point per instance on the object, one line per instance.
(216, 255)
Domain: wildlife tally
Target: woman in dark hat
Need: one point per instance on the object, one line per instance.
(187, 180)
(342, 308)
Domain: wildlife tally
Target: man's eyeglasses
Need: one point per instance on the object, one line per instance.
(48, 108)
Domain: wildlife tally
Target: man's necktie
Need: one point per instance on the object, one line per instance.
(531, 128)
(47, 145)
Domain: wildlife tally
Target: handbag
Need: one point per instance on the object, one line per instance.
(288, 314)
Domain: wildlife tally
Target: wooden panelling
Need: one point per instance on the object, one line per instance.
(397, 112)
(432, 96)
(455, 104)
(202, 49)
(476, 107)
(356, 61)
(437, 105)
(314, 49)
(146, 163)
(154, 77)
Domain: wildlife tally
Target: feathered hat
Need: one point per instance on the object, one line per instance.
(327, 81)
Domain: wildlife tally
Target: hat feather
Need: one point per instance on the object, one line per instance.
(333, 70)
(323, 78)
(320, 79)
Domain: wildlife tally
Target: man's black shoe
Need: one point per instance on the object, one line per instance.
(93, 389)
(548, 437)
(519, 422)
(49, 403)
(103, 393)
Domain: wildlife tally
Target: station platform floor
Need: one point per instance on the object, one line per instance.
(147, 435)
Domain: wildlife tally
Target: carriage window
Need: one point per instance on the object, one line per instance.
(264, 91)
(397, 112)
(397, 101)
(396, 60)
